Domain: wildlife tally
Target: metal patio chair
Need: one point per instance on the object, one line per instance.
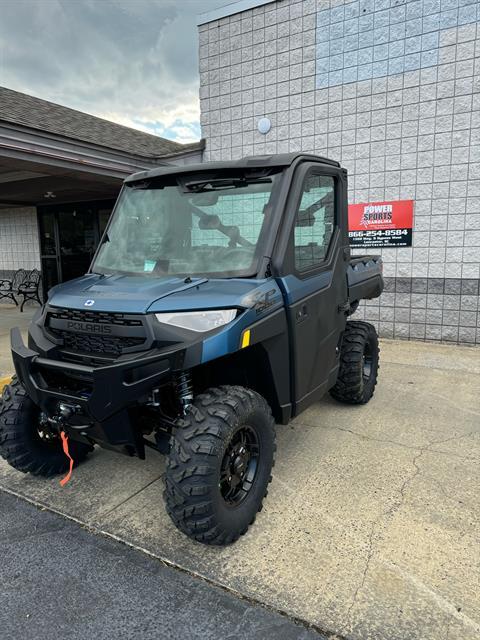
(30, 287)
(10, 286)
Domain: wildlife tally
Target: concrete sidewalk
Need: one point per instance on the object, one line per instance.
(371, 526)
(10, 316)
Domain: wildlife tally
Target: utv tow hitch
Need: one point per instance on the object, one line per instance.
(65, 411)
(60, 419)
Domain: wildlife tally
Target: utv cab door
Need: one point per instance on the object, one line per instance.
(315, 247)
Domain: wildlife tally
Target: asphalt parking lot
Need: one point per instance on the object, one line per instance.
(95, 587)
(370, 529)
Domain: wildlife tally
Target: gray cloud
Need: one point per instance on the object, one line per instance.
(134, 61)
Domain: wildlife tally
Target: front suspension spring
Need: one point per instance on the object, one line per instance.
(184, 388)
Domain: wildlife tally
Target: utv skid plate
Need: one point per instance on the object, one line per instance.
(101, 407)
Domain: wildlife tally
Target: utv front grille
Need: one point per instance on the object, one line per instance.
(96, 344)
(95, 332)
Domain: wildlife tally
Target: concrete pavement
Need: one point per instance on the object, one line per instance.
(10, 316)
(60, 581)
(371, 526)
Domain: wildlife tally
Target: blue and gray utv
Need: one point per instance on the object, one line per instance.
(215, 306)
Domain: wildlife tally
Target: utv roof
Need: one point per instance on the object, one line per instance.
(249, 162)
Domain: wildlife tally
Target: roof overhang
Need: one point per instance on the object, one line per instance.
(22, 143)
(34, 163)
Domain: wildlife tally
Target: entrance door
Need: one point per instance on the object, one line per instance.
(48, 250)
(78, 239)
(69, 236)
(317, 286)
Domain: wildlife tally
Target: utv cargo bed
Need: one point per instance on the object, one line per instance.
(365, 279)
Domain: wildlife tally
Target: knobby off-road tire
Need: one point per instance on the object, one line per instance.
(20, 442)
(359, 357)
(197, 494)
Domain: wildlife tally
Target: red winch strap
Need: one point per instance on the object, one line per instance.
(66, 451)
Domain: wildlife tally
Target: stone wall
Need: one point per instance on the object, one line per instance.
(391, 89)
(19, 245)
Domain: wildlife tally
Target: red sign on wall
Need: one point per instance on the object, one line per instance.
(381, 224)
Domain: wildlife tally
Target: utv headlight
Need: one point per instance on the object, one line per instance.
(198, 320)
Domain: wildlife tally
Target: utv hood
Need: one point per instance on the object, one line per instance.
(136, 294)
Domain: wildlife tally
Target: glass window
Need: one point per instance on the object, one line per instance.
(47, 234)
(315, 221)
(202, 227)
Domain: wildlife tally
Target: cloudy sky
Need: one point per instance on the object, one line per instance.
(131, 61)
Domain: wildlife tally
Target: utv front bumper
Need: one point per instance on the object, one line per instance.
(102, 396)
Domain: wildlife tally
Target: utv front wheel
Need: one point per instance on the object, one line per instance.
(219, 465)
(25, 443)
(358, 371)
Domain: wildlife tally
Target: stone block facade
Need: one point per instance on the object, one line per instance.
(391, 89)
(19, 244)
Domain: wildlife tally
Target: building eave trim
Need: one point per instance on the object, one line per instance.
(230, 10)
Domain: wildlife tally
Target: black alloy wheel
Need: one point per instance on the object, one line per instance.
(367, 363)
(239, 465)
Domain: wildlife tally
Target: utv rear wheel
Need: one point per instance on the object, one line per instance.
(359, 356)
(219, 465)
(25, 443)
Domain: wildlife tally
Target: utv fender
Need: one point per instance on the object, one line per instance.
(262, 364)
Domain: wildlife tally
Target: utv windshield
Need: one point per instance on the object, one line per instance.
(189, 225)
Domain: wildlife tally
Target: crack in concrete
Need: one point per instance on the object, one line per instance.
(359, 435)
(370, 554)
(397, 504)
(393, 442)
(410, 479)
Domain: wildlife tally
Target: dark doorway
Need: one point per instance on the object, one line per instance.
(69, 236)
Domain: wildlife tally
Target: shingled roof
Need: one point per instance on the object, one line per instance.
(22, 109)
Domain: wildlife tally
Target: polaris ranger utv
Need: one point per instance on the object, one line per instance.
(215, 306)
